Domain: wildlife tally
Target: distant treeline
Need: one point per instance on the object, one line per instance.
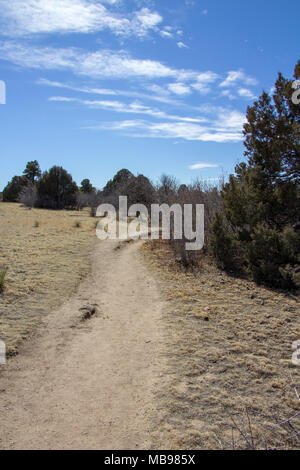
(252, 222)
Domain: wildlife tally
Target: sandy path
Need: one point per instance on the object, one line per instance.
(90, 385)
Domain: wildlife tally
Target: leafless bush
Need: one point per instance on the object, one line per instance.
(82, 200)
(167, 190)
(28, 196)
(91, 200)
(199, 192)
(94, 200)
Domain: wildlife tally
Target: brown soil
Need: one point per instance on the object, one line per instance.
(88, 381)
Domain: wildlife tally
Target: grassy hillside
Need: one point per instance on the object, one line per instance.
(46, 254)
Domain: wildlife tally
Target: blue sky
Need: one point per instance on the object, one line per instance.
(153, 86)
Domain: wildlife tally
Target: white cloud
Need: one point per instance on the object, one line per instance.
(61, 98)
(98, 91)
(144, 21)
(25, 17)
(204, 80)
(132, 108)
(228, 94)
(207, 77)
(160, 90)
(230, 120)
(245, 93)
(179, 89)
(235, 76)
(218, 124)
(181, 45)
(158, 93)
(99, 64)
(166, 34)
(201, 166)
(171, 130)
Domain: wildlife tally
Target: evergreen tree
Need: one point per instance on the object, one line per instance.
(32, 171)
(262, 200)
(56, 189)
(86, 187)
(118, 181)
(14, 188)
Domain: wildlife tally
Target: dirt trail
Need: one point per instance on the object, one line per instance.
(90, 384)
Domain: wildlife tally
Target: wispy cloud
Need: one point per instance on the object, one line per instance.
(237, 76)
(228, 94)
(204, 80)
(246, 93)
(181, 45)
(172, 130)
(97, 64)
(202, 166)
(103, 64)
(179, 89)
(97, 91)
(27, 17)
(211, 123)
(158, 93)
(109, 64)
(230, 120)
(166, 34)
(131, 108)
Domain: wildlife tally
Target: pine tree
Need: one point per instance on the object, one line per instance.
(262, 200)
(32, 171)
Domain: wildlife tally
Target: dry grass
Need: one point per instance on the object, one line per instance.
(46, 258)
(229, 349)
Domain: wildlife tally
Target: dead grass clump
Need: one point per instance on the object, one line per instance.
(3, 272)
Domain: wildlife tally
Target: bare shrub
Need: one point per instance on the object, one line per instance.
(28, 196)
(91, 200)
(199, 192)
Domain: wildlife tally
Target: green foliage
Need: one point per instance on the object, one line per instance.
(56, 189)
(77, 224)
(13, 189)
(86, 186)
(262, 200)
(222, 242)
(32, 171)
(121, 178)
(139, 190)
(273, 256)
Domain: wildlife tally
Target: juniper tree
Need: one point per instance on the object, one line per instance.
(262, 200)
